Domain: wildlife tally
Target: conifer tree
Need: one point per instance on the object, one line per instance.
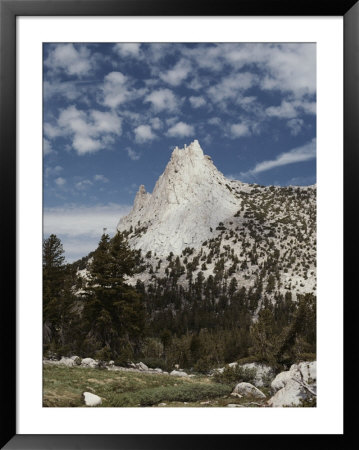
(114, 311)
(53, 268)
(58, 279)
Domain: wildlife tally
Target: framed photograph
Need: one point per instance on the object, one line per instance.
(176, 175)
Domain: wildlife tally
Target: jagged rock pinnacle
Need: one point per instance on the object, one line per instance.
(189, 198)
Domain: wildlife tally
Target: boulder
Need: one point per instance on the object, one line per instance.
(248, 390)
(141, 366)
(67, 362)
(263, 375)
(295, 385)
(111, 363)
(91, 399)
(89, 362)
(76, 360)
(177, 373)
(158, 370)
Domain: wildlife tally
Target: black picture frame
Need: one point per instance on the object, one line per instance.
(9, 10)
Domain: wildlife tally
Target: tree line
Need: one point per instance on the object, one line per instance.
(211, 322)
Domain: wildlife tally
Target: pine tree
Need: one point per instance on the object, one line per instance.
(114, 311)
(263, 337)
(53, 268)
(58, 280)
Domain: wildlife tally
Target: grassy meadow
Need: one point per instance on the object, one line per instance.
(63, 387)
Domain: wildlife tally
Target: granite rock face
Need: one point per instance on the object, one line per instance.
(189, 199)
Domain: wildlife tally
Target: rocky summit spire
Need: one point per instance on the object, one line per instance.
(141, 198)
(188, 200)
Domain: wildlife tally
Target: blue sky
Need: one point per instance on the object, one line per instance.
(114, 112)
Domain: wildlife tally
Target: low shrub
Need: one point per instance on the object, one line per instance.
(235, 375)
(182, 393)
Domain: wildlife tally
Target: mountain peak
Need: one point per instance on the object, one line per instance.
(141, 198)
(189, 199)
(193, 150)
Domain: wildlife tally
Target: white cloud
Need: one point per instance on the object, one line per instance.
(171, 121)
(83, 185)
(51, 171)
(117, 89)
(290, 109)
(175, 76)
(143, 133)
(128, 49)
(181, 129)
(284, 67)
(206, 57)
(162, 99)
(47, 147)
(80, 227)
(132, 154)
(197, 102)
(114, 89)
(239, 130)
(231, 87)
(215, 121)
(60, 181)
(90, 131)
(300, 154)
(66, 89)
(295, 126)
(285, 110)
(69, 59)
(101, 178)
(51, 131)
(156, 123)
(291, 67)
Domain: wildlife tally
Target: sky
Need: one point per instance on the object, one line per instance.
(114, 112)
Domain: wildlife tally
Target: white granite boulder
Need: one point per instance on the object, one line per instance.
(248, 390)
(178, 373)
(67, 362)
(91, 399)
(89, 362)
(295, 385)
(76, 360)
(281, 380)
(141, 366)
